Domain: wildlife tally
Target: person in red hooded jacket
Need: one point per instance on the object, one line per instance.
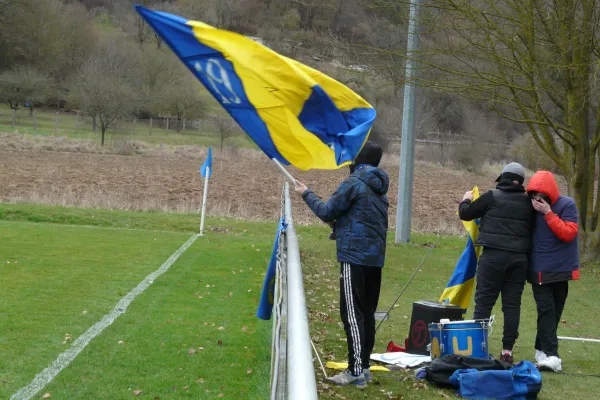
(554, 262)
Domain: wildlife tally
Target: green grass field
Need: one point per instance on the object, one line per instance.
(63, 269)
(44, 124)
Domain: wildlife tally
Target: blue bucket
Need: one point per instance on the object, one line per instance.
(465, 338)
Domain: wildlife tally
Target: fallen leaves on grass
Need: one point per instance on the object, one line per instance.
(68, 338)
(46, 396)
(192, 351)
(138, 392)
(249, 371)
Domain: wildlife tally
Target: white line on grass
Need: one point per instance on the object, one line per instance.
(64, 359)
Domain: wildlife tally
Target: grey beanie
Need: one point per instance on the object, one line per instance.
(512, 169)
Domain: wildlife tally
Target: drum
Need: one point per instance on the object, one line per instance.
(465, 338)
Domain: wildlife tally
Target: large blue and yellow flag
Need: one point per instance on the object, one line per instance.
(460, 287)
(294, 113)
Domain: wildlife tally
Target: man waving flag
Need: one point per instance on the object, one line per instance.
(460, 287)
(295, 114)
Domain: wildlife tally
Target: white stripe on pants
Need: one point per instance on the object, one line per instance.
(354, 330)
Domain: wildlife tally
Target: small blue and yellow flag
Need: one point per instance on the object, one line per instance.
(294, 113)
(206, 169)
(460, 287)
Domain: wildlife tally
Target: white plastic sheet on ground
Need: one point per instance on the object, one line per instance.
(401, 359)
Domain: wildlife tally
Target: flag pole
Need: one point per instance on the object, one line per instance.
(204, 197)
(284, 171)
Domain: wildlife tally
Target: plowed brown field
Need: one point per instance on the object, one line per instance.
(247, 187)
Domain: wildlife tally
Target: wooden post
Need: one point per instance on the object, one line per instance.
(183, 131)
(150, 130)
(14, 118)
(167, 130)
(134, 127)
(76, 122)
(35, 121)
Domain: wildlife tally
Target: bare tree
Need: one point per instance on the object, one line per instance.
(182, 100)
(105, 86)
(22, 85)
(46, 34)
(225, 127)
(533, 62)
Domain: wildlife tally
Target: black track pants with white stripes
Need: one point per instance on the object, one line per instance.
(359, 295)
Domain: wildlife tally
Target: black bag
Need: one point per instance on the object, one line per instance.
(441, 369)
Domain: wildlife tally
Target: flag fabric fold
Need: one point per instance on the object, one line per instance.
(459, 289)
(206, 169)
(265, 306)
(294, 113)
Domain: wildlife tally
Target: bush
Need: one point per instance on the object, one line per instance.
(526, 151)
(467, 156)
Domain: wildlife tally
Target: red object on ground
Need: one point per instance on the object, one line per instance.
(394, 348)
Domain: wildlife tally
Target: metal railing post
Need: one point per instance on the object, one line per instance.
(301, 381)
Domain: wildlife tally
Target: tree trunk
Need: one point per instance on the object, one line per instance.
(103, 131)
(14, 117)
(56, 125)
(94, 124)
(158, 41)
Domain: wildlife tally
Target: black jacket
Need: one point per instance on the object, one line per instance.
(507, 217)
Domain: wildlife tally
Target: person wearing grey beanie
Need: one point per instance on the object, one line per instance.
(505, 233)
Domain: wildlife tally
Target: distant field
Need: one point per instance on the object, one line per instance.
(69, 125)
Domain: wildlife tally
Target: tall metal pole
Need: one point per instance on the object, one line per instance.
(407, 151)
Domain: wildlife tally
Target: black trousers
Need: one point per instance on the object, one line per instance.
(359, 295)
(501, 272)
(550, 300)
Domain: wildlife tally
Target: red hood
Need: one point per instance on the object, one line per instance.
(543, 182)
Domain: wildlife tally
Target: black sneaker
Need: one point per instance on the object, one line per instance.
(506, 357)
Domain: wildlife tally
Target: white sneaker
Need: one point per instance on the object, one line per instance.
(540, 356)
(345, 378)
(551, 363)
